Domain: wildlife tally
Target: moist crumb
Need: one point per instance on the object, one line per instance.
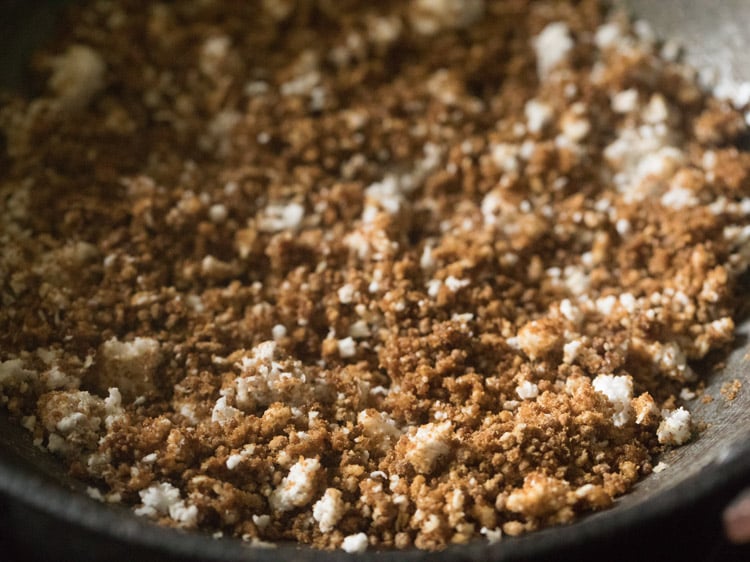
(365, 275)
(730, 390)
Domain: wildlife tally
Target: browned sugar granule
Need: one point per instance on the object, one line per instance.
(363, 274)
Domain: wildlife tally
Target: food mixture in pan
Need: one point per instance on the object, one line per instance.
(364, 274)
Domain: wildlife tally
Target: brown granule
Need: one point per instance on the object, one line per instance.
(363, 274)
(730, 390)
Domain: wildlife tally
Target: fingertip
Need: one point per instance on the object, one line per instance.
(736, 519)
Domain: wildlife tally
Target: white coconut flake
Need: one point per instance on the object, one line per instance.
(278, 331)
(346, 293)
(218, 213)
(355, 544)
(224, 413)
(527, 390)
(347, 347)
(455, 284)
(164, 499)
(675, 428)
(571, 350)
(493, 535)
(328, 510)
(233, 461)
(430, 442)
(687, 394)
(538, 115)
(570, 311)
(297, 487)
(552, 47)
(608, 35)
(619, 392)
(625, 101)
(679, 198)
(505, 156)
(278, 217)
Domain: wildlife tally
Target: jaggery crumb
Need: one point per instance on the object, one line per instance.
(364, 275)
(730, 390)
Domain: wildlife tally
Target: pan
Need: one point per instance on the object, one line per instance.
(45, 515)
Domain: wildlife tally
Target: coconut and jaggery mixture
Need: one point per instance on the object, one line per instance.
(364, 274)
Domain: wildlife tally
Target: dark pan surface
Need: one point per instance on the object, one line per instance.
(41, 510)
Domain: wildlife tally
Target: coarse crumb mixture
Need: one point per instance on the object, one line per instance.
(364, 274)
